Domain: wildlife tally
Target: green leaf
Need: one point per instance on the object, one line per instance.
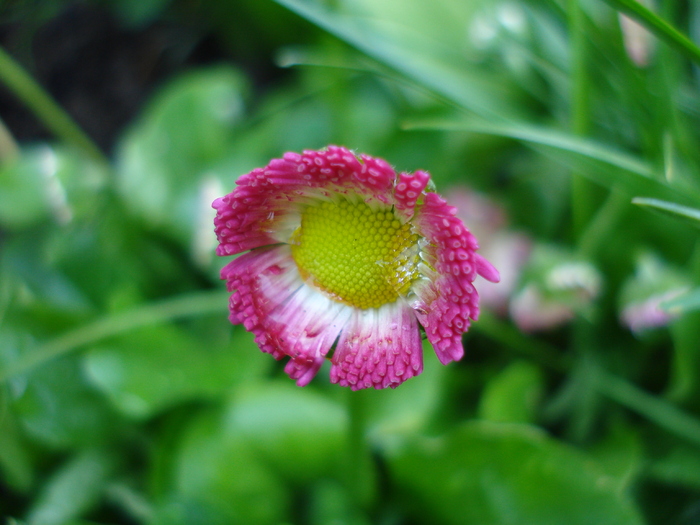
(48, 182)
(513, 395)
(73, 489)
(690, 215)
(657, 410)
(60, 410)
(166, 162)
(218, 476)
(485, 472)
(680, 466)
(154, 368)
(15, 459)
(685, 378)
(298, 432)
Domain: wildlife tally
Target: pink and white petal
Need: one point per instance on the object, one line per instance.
(287, 317)
(308, 323)
(408, 189)
(246, 276)
(303, 371)
(379, 348)
(255, 214)
(446, 300)
(265, 207)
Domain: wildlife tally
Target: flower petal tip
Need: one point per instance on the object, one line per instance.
(486, 269)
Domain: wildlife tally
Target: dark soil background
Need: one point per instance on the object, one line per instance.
(102, 69)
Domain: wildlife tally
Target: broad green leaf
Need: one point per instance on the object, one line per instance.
(620, 452)
(167, 157)
(297, 431)
(513, 395)
(218, 475)
(688, 214)
(679, 466)
(154, 368)
(497, 473)
(49, 183)
(60, 410)
(74, 489)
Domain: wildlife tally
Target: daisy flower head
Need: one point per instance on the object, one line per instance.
(340, 251)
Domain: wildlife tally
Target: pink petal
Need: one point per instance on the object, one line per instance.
(486, 269)
(447, 301)
(304, 370)
(379, 348)
(266, 202)
(287, 317)
(408, 189)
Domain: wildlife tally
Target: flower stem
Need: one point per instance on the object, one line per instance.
(45, 108)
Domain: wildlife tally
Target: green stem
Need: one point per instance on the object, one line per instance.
(603, 223)
(44, 107)
(189, 305)
(581, 191)
(660, 27)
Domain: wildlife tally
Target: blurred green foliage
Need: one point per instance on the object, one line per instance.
(127, 397)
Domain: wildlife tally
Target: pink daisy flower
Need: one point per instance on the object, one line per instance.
(341, 250)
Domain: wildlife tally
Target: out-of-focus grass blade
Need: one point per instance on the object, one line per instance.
(655, 409)
(657, 25)
(687, 302)
(422, 60)
(193, 304)
(604, 165)
(690, 215)
(547, 137)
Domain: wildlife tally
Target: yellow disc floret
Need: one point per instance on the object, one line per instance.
(357, 255)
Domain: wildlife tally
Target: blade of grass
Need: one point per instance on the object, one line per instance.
(582, 204)
(195, 304)
(656, 410)
(690, 215)
(423, 61)
(657, 25)
(45, 108)
(547, 137)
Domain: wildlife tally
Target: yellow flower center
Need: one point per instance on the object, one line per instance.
(358, 256)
